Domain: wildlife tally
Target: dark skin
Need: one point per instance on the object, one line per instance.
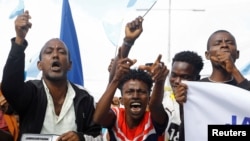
(222, 52)
(54, 64)
(158, 71)
(181, 71)
(104, 103)
(133, 30)
(131, 89)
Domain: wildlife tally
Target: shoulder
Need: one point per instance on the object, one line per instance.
(35, 83)
(80, 89)
(82, 92)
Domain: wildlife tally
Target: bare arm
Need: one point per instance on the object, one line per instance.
(159, 74)
(133, 30)
(226, 61)
(103, 114)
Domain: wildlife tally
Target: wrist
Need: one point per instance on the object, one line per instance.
(128, 43)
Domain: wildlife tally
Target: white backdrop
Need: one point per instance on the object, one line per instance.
(189, 31)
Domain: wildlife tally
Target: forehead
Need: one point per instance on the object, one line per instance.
(221, 36)
(55, 43)
(135, 84)
(180, 67)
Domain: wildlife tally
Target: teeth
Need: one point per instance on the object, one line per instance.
(135, 104)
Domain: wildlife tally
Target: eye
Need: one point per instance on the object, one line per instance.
(173, 75)
(230, 42)
(186, 77)
(62, 51)
(48, 51)
(217, 43)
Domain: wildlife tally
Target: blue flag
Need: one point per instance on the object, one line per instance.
(18, 10)
(69, 36)
(131, 3)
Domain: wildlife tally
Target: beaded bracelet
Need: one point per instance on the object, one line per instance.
(128, 44)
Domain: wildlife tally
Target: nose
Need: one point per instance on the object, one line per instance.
(55, 54)
(224, 43)
(135, 94)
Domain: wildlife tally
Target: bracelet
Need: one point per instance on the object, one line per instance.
(128, 44)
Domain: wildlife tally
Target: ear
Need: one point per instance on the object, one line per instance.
(39, 65)
(237, 54)
(70, 65)
(207, 54)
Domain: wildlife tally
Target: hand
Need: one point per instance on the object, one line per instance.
(157, 70)
(123, 66)
(69, 136)
(225, 60)
(3, 104)
(2, 100)
(180, 93)
(111, 64)
(133, 30)
(22, 26)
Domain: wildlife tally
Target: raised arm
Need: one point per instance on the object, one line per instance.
(159, 72)
(226, 61)
(13, 72)
(133, 30)
(22, 26)
(103, 114)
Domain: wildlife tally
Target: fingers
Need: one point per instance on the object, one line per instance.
(180, 93)
(140, 18)
(22, 26)
(23, 20)
(160, 74)
(2, 102)
(158, 60)
(135, 24)
(158, 70)
(156, 65)
(144, 67)
(69, 136)
(127, 61)
(111, 65)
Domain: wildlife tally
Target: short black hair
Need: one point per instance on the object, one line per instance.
(219, 31)
(190, 57)
(137, 74)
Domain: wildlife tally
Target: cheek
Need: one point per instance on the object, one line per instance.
(145, 98)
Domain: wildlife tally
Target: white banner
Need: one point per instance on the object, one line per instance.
(214, 103)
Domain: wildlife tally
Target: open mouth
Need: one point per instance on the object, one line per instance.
(135, 107)
(56, 66)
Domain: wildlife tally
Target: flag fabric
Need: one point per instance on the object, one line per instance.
(69, 36)
(214, 104)
(18, 10)
(246, 69)
(131, 3)
(31, 70)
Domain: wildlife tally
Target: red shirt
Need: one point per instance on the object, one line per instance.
(3, 124)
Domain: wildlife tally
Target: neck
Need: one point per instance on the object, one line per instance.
(219, 81)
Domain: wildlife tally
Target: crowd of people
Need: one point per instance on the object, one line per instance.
(143, 112)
